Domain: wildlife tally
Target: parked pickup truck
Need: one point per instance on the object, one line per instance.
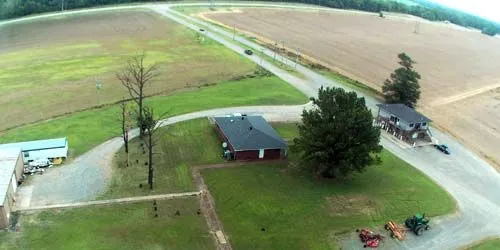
(40, 163)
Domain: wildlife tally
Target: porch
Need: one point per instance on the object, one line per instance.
(415, 137)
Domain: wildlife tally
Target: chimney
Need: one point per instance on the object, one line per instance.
(250, 128)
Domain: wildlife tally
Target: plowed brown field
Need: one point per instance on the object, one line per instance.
(460, 68)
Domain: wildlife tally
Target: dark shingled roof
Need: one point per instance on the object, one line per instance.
(404, 112)
(249, 133)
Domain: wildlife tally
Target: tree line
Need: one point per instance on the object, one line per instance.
(425, 9)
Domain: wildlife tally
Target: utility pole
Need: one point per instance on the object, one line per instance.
(283, 56)
(98, 87)
(275, 50)
(297, 57)
(261, 56)
(417, 28)
(234, 32)
(62, 5)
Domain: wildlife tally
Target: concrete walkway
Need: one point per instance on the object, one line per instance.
(107, 202)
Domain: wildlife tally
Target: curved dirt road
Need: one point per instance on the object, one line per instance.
(470, 180)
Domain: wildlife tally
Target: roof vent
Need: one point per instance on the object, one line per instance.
(250, 128)
(231, 120)
(242, 118)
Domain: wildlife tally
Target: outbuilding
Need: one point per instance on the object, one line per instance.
(404, 122)
(11, 170)
(52, 149)
(249, 138)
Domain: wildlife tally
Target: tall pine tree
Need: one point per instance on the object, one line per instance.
(403, 86)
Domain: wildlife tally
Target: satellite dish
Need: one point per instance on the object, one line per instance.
(224, 145)
(414, 136)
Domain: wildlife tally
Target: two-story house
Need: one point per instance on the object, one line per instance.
(404, 122)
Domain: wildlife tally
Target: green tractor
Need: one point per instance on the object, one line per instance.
(418, 224)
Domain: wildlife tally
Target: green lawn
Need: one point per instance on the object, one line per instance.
(87, 129)
(122, 226)
(48, 69)
(179, 147)
(300, 212)
(487, 245)
(287, 131)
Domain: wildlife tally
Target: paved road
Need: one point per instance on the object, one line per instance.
(470, 180)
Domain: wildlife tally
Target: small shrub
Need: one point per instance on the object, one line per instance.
(262, 72)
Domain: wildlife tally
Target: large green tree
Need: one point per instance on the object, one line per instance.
(403, 86)
(337, 137)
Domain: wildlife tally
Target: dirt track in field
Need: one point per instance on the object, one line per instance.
(49, 67)
(459, 67)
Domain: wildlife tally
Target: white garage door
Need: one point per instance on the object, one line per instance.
(13, 181)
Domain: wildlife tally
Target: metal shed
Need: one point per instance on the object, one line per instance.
(41, 149)
(11, 170)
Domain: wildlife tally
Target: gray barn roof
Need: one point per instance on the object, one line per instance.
(404, 112)
(249, 133)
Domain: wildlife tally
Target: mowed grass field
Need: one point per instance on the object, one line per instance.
(50, 67)
(275, 207)
(178, 147)
(121, 226)
(88, 129)
(486, 245)
(459, 66)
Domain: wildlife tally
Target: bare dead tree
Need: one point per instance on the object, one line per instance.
(123, 109)
(135, 77)
(150, 125)
(125, 115)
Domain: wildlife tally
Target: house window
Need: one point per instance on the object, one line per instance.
(26, 154)
(411, 125)
(424, 124)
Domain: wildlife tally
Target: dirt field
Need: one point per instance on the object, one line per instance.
(476, 121)
(459, 67)
(50, 67)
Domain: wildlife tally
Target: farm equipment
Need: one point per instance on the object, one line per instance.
(369, 238)
(418, 224)
(397, 231)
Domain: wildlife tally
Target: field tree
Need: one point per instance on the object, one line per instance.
(127, 110)
(403, 86)
(337, 137)
(150, 125)
(135, 77)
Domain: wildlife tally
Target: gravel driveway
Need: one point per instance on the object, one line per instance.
(87, 176)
